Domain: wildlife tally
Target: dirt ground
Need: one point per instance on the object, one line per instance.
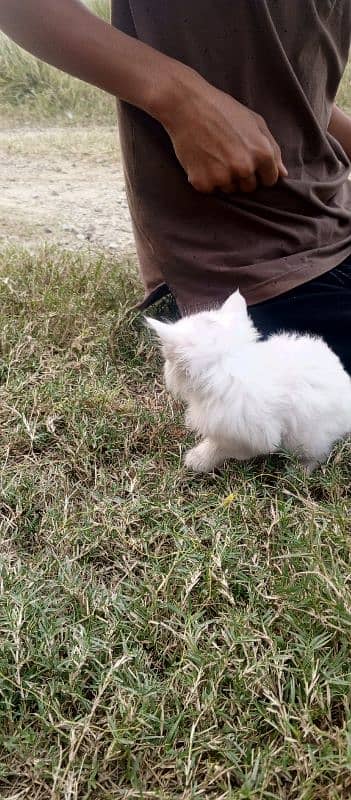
(63, 186)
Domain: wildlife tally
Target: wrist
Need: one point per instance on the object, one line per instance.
(169, 95)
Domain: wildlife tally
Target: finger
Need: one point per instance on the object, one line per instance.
(248, 185)
(283, 172)
(230, 188)
(225, 182)
(267, 169)
(200, 184)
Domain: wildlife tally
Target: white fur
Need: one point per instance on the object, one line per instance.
(246, 397)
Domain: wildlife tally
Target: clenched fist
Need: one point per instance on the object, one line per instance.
(220, 143)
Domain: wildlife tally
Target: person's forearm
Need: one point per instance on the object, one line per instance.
(67, 35)
(340, 128)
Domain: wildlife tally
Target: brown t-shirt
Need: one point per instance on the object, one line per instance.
(284, 59)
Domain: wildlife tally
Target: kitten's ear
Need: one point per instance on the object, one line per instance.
(235, 304)
(164, 330)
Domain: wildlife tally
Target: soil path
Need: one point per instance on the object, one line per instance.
(63, 186)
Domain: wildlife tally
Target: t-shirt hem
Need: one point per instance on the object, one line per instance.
(288, 280)
(266, 290)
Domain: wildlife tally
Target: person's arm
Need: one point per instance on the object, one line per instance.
(340, 128)
(219, 143)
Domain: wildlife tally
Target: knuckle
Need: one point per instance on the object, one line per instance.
(246, 168)
(266, 155)
(270, 178)
(220, 179)
(201, 185)
(276, 150)
(244, 173)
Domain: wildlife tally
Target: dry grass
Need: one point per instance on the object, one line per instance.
(344, 96)
(32, 92)
(87, 143)
(163, 636)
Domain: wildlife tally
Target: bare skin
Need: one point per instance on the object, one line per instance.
(220, 143)
(340, 128)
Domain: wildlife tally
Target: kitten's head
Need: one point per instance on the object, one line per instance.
(198, 343)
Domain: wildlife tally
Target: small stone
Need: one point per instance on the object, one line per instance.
(48, 230)
(70, 229)
(113, 246)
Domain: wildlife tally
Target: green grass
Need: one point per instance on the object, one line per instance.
(162, 635)
(32, 92)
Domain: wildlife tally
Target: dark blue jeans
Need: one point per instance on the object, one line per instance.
(321, 306)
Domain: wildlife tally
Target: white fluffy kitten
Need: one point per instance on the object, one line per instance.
(246, 397)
